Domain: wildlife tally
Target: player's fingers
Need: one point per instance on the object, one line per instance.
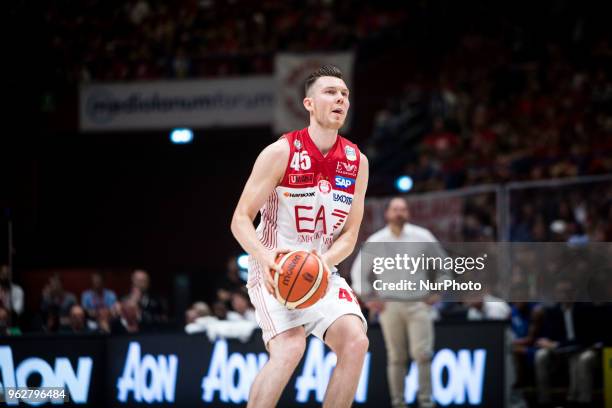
(282, 251)
(270, 276)
(275, 267)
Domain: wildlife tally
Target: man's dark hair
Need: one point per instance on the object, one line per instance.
(325, 70)
(388, 203)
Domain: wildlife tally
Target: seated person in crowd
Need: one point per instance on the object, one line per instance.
(78, 322)
(5, 326)
(9, 290)
(152, 308)
(56, 303)
(97, 297)
(129, 320)
(197, 310)
(525, 325)
(487, 307)
(241, 304)
(568, 335)
(230, 282)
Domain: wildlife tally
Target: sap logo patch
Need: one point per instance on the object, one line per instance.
(343, 198)
(301, 179)
(344, 182)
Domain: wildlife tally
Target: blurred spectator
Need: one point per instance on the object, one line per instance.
(220, 310)
(220, 39)
(5, 325)
(242, 307)
(56, 303)
(97, 298)
(129, 320)
(197, 310)
(78, 322)
(524, 328)
(4, 322)
(223, 323)
(440, 141)
(151, 308)
(496, 117)
(568, 334)
(104, 320)
(11, 294)
(51, 323)
(190, 316)
(231, 282)
(487, 307)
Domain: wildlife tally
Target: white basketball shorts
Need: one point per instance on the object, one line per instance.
(274, 318)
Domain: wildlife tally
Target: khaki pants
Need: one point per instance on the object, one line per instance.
(581, 374)
(407, 326)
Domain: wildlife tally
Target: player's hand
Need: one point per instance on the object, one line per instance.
(267, 259)
(375, 306)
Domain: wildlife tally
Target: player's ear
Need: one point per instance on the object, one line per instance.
(308, 103)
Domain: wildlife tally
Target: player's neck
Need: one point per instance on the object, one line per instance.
(323, 138)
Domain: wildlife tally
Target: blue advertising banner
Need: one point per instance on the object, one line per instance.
(185, 371)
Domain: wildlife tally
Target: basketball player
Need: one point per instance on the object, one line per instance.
(310, 187)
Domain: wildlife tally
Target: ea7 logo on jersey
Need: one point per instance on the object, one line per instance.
(346, 169)
(301, 179)
(344, 182)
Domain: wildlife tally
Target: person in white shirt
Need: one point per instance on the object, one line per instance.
(407, 326)
(488, 307)
(11, 295)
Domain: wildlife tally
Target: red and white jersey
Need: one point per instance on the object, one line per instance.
(308, 209)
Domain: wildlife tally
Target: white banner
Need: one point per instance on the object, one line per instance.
(231, 102)
(291, 70)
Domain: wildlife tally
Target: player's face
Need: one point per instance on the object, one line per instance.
(328, 102)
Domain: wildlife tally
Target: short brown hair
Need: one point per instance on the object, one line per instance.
(325, 70)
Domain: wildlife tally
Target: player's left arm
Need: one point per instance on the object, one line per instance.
(344, 245)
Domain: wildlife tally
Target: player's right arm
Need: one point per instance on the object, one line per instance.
(267, 173)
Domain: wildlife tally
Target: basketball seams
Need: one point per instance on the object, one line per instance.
(318, 286)
(314, 287)
(282, 261)
(297, 275)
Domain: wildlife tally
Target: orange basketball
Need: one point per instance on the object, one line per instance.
(303, 281)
